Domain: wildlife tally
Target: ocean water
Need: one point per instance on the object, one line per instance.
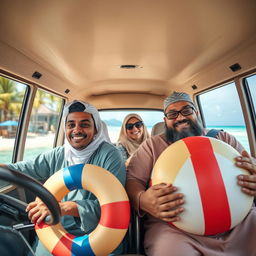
(238, 131)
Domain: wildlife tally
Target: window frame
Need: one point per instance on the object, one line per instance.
(26, 110)
(246, 104)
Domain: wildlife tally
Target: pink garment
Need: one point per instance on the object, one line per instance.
(163, 240)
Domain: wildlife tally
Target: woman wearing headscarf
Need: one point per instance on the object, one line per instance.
(133, 133)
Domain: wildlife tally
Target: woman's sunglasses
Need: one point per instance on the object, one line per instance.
(137, 125)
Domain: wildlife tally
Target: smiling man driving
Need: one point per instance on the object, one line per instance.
(86, 142)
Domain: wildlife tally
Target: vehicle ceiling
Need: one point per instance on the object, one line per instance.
(80, 45)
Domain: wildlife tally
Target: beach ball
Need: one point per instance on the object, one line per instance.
(204, 170)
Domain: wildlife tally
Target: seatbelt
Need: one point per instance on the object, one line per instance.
(213, 133)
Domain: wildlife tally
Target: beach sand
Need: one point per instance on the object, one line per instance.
(31, 142)
(39, 141)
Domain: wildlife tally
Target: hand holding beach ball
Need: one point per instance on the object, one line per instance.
(204, 170)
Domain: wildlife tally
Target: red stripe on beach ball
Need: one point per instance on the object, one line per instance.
(217, 217)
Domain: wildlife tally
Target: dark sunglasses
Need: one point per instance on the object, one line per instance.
(137, 125)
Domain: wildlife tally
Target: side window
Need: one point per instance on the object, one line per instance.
(251, 81)
(12, 95)
(114, 120)
(43, 124)
(221, 109)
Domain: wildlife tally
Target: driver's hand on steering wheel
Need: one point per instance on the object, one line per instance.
(37, 211)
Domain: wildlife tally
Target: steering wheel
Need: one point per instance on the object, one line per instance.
(37, 188)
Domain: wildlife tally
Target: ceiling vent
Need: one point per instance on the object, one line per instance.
(235, 67)
(194, 87)
(129, 66)
(36, 75)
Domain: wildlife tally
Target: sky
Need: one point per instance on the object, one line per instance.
(221, 106)
(149, 117)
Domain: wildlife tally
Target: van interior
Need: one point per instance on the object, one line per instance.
(119, 56)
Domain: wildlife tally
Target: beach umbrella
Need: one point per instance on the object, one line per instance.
(9, 123)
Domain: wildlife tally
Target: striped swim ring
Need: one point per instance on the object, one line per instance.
(115, 212)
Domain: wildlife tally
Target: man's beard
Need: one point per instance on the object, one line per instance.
(173, 135)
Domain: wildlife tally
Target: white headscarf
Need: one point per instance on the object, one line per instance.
(74, 156)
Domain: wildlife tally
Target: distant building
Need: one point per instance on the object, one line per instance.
(43, 120)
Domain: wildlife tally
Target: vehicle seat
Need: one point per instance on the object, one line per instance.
(11, 243)
(105, 131)
(158, 128)
(135, 235)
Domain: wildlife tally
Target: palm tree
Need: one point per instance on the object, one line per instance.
(10, 99)
(53, 102)
(39, 100)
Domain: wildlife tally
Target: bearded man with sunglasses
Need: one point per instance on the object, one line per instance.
(162, 203)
